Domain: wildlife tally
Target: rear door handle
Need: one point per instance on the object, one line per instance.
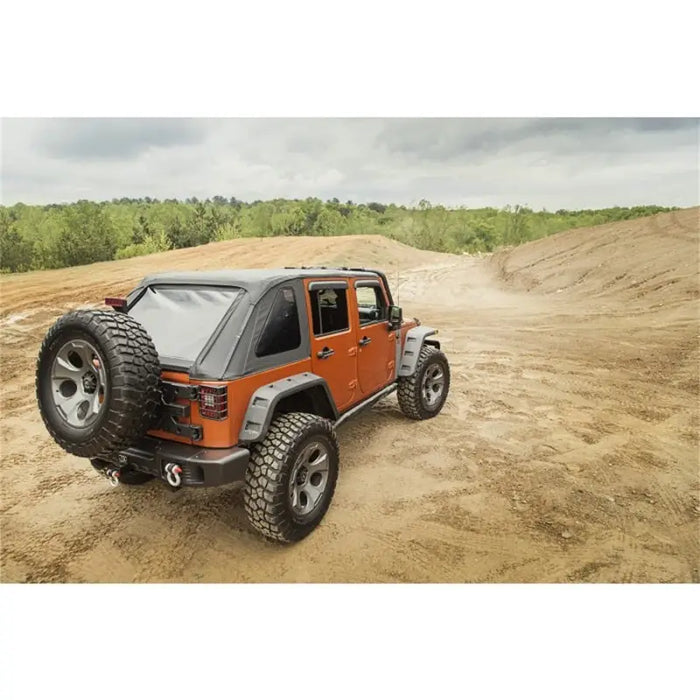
(365, 340)
(326, 352)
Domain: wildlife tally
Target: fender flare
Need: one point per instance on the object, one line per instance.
(415, 339)
(261, 406)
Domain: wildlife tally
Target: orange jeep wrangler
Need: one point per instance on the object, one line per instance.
(206, 378)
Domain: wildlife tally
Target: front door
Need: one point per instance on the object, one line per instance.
(376, 344)
(333, 344)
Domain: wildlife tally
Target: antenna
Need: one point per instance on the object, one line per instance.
(398, 284)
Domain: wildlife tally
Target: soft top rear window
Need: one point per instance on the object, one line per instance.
(181, 319)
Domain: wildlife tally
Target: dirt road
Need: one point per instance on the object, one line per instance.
(567, 451)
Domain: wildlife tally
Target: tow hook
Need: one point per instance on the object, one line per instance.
(172, 474)
(112, 476)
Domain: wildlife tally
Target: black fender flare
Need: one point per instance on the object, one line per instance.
(262, 404)
(415, 339)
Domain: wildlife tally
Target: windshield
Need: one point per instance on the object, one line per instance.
(182, 319)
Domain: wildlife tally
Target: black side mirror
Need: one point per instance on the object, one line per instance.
(395, 317)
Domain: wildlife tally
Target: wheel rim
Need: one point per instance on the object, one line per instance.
(79, 383)
(433, 385)
(309, 478)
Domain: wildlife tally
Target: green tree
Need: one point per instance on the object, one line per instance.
(329, 222)
(291, 222)
(155, 243)
(202, 225)
(86, 236)
(15, 252)
(141, 230)
(517, 228)
(177, 234)
(57, 235)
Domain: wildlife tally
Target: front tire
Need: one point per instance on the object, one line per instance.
(423, 394)
(291, 477)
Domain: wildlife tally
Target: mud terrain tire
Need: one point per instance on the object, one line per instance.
(112, 352)
(277, 469)
(414, 400)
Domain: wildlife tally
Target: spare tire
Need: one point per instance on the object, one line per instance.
(97, 382)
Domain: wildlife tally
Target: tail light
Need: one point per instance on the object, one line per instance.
(213, 402)
(117, 303)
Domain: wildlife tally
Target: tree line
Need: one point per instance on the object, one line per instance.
(34, 237)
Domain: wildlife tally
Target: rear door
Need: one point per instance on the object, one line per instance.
(376, 344)
(333, 338)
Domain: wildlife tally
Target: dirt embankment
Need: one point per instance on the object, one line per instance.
(567, 451)
(641, 263)
(88, 284)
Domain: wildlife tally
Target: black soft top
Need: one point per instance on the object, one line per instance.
(227, 350)
(255, 281)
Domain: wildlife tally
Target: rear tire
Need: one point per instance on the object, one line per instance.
(423, 394)
(97, 382)
(291, 477)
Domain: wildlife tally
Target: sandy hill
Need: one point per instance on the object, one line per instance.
(89, 283)
(642, 262)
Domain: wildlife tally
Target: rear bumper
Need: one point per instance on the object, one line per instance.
(201, 466)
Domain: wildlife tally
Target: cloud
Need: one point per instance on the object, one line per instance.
(553, 163)
(450, 139)
(107, 139)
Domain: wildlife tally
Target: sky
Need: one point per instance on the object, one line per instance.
(474, 162)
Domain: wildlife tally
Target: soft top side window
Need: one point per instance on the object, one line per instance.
(281, 331)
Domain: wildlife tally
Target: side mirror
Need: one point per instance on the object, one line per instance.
(395, 317)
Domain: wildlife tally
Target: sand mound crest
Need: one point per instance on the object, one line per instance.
(643, 262)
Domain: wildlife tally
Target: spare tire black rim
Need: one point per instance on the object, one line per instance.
(79, 383)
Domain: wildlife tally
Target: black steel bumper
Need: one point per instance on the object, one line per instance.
(201, 466)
